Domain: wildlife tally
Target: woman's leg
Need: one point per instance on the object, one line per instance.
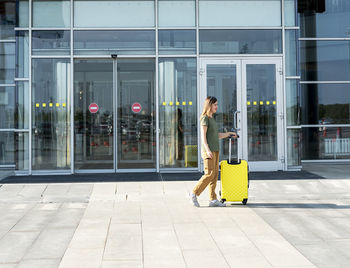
(214, 179)
(209, 173)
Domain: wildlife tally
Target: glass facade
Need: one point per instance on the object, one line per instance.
(117, 85)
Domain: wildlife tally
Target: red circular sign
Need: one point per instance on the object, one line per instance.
(93, 108)
(136, 107)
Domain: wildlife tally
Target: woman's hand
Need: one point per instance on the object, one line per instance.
(232, 134)
(209, 154)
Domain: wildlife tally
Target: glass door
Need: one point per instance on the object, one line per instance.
(249, 93)
(222, 79)
(136, 121)
(263, 113)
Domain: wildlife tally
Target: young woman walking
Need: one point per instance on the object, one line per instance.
(210, 153)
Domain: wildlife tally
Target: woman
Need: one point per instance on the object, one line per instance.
(210, 153)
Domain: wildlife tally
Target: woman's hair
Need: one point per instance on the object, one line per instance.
(209, 101)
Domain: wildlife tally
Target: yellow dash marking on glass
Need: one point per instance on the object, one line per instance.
(248, 102)
(267, 103)
(177, 103)
(184, 103)
(44, 104)
(274, 102)
(50, 104)
(254, 102)
(37, 105)
(261, 102)
(57, 105)
(171, 103)
(63, 105)
(164, 103)
(190, 103)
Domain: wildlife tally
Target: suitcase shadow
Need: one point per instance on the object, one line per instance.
(292, 205)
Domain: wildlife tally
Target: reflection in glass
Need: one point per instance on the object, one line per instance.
(136, 113)
(93, 132)
(291, 53)
(7, 148)
(51, 13)
(176, 13)
(7, 19)
(7, 107)
(22, 151)
(293, 147)
(325, 143)
(7, 63)
(325, 60)
(111, 13)
(240, 13)
(240, 41)
(293, 102)
(22, 54)
(222, 83)
(334, 22)
(289, 12)
(114, 42)
(177, 41)
(261, 112)
(22, 105)
(23, 13)
(325, 103)
(51, 42)
(178, 113)
(51, 114)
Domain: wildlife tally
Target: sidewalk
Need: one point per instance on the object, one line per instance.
(287, 223)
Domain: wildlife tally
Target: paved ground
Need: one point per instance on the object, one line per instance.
(288, 223)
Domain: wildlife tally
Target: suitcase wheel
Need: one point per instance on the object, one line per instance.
(223, 200)
(245, 200)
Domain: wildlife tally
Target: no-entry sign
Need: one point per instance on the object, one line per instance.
(136, 107)
(93, 108)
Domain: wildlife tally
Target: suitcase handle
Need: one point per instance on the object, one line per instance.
(229, 148)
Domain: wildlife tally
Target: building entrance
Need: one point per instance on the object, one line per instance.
(249, 93)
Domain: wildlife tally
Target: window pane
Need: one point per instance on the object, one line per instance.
(325, 60)
(51, 114)
(289, 12)
(93, 132)
(114, 13)
(178, 123)
(51, 13)
(239, 13)
(177, 13)
(293, 105)
(7, 107)
(177, 42)
(7, 19)
(325, 103)
(291, 53)
(51, 42)
(7, 148)
(7, 63)
(114, 42)
(325, 143)
(22, 105)
(240, 41)
(22, 54)
(334, 22)
(293, 146)
(23, 13)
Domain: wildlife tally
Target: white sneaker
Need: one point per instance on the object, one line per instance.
(216, 203)
(194, 200)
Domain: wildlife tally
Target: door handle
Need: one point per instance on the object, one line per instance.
(235, 123)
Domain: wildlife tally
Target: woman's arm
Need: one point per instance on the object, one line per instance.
(227, 134)
(204, 141)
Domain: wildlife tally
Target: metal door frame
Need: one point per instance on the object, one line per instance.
(241, 63)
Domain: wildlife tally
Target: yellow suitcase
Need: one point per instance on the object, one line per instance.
(234, 180)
